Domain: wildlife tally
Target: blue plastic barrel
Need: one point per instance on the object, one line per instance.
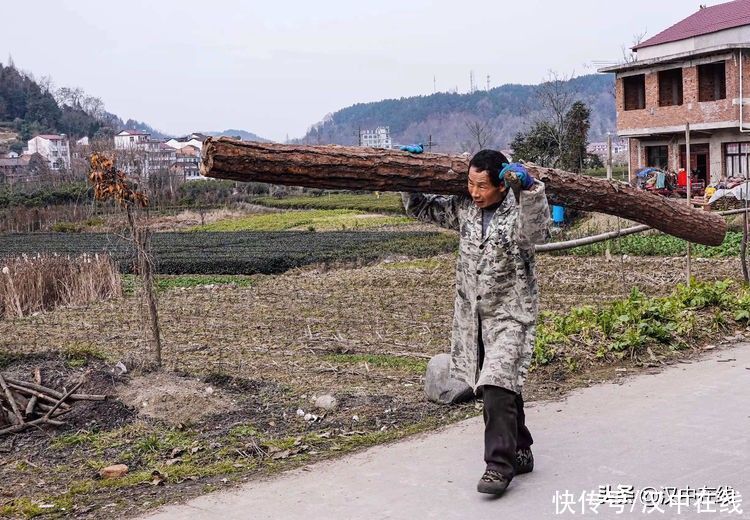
(558, 214)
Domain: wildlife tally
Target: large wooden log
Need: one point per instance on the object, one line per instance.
(358, 168)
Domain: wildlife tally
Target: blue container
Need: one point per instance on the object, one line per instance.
(558, 214)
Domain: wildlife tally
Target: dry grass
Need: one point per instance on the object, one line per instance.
(45, 282)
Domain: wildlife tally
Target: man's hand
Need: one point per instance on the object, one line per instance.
(516, 177)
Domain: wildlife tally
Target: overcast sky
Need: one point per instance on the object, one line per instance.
(276, 67)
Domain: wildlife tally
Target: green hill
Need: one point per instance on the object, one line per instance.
(505, 110)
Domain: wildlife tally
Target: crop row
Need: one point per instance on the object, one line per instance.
(239, 252)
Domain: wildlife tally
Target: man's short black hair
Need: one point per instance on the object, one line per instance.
(490, 161)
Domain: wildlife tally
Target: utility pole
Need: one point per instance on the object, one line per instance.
(609, 156)
(607, 253)
(430, 144)
(434, 84)
(689, 194)
(488, 82)
(472, 85)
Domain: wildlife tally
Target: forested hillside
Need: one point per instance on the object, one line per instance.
(29, 107)
(449, 118)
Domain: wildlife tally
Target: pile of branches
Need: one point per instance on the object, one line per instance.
(25, 404)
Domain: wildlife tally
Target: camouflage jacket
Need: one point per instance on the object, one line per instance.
(496, 286)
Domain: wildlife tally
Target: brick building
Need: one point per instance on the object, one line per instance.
(697, 72)
(25, 168)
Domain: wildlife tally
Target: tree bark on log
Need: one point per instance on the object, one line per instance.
(359, 168)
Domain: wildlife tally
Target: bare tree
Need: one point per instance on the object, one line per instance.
(480, 132)
(69, 96)
(46, 84)
(110, 183)
(93, 106)
(556, 97)
(628, 56)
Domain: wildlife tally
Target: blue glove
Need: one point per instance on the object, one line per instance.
(412, 148)
(521, 173)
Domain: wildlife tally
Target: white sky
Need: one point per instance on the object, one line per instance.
(276, 67)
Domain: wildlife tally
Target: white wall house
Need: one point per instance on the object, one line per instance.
(378, 138)
(54, 148)
(131, 140)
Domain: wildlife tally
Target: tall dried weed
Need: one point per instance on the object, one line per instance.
(30, 284)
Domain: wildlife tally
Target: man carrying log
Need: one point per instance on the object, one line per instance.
(496, 301)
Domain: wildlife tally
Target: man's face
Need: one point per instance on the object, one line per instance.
(482, 191)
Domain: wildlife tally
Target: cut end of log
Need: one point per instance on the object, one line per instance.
(207, 160)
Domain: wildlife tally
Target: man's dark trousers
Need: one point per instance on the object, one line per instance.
(505, 428)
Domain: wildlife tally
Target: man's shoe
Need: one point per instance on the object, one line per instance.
(524, 461)
(493, 482)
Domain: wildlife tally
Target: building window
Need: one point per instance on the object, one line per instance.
(736, 159)
(712, 81)
(657, 157)
(635, 92)
(670, 87)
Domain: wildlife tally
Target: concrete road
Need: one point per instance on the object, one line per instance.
(686, 427)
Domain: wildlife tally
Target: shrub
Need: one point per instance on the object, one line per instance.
(66, 227)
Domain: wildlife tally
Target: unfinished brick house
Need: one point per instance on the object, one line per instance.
(696, 71)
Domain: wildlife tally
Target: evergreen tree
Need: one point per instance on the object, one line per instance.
(576, 137)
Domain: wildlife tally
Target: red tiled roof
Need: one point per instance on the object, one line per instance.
(705, 21)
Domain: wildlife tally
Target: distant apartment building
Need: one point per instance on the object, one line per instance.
(187, 164)
(619, 150)
(54, 148)
(378, 138)
(694, 72)
(159, 157)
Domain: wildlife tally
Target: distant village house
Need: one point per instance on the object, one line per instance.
(131, 140)
(22, 168)
(180, 157)
(54, 148)
(619, 150)
(378, 138)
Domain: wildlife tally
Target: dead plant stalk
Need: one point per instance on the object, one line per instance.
(110, 183)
